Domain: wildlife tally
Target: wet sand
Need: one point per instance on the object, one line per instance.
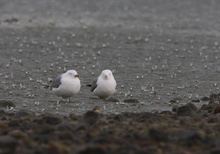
(158, 52)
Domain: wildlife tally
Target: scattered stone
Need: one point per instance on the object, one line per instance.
(206, 107)
(18, 134)
(174, 109)
(148, 117)
(195, 100)
(3, 125)
(189, 128)
(175, 100)
(131, 101)
(6, 103)
(111, 99)
(213, 119)
(215, 150)
(11, 20)
(90, 149)
(52, 120)
(57, 147)
(216, 109)
(91, 118)
(165, 113)
(205, 98)
(8, 144)
(186, 110)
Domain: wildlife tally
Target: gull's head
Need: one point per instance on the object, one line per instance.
(72, 73)
(106, 74)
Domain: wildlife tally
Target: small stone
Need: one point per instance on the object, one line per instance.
(91, 118)
(175, 100)
(206, 107)
(216, 109)
(18, 134)
(195, 100)
(215, 150)
(186, 110)
(3, 125)
(90, 149)
(213, 119)
(148, 117)
(6, 103)
(192, 106)
(205, 98)
(131, 101)
(57, 147)
(112, 100)
(165, 113)
(52, 120)
(8, 144)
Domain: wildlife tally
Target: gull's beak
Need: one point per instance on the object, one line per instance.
(77, 75)
(106, 76)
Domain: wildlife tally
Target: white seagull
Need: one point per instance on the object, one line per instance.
(66, 84)
(105, 85)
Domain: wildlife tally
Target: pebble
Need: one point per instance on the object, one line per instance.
(6, 103)
(187, 129)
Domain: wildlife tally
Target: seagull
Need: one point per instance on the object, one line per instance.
(104, 86)
(66, 84)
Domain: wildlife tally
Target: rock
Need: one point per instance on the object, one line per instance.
(186, 121)
(205, 98)
(175, 100)
(90, 118)
(11, 20)
(215, 150)
(52, 120)
(158, 134)
(192, 106)
(112, 99)
(174, 109)
(3, 125)
(118, 117)
(18, 134)
(24, 113)
(206, 107)
(216, 109)
(90, 149)
(2, 112)
(195, 100)
(56, 147)
(8, 144)
(166, 113)
(148, 117)
(190, 137)
(186, 110)
(14, 123)
(214, 98)
(6, 103)
(131, 101)
(213, 119)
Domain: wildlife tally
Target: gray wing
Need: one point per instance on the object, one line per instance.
(94, 85)
(56, 82)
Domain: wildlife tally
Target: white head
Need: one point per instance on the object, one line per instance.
(106, 74)
(72, 73)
